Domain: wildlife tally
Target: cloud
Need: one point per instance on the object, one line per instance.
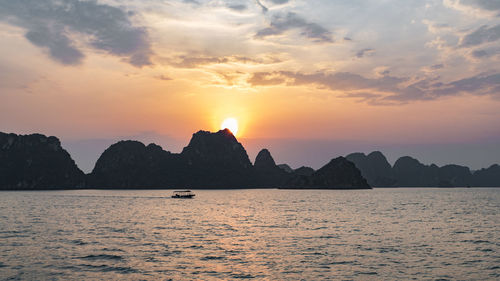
(60, 47)
(363, 52)
(437, 66)
(186, 61)
(163, 77)
(480, 54)
(60, 26)
(344, 81)
(263, 59)
(237, 7)
(484, 34)
(191, 2)
(489, 5)
(193, 62)
(482, 84)
(382, 90)
(280, 24)
(363, 97)
(486, 53)
(266, 79)
(279, 1)
(479, 8)
(264, 8)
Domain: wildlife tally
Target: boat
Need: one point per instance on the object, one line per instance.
(183, 194)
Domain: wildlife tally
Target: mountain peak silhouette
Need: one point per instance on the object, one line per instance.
(212, 160)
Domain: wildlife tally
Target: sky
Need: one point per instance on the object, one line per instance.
(310, 80)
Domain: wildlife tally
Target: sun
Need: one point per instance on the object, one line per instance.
(231, 124)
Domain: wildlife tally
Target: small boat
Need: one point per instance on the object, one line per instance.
(183, 194)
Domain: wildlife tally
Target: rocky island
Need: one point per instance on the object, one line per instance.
(210, 160)
(36, 162)
(409, 172)
(213, 161)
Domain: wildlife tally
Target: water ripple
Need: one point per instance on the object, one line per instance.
(383, 234)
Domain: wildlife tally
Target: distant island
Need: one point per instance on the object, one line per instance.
(409, 172)
(213, 161)
(210, 161)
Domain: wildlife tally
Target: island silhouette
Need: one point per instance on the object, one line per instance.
(212, 160)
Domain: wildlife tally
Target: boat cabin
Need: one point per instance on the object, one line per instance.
(183, 194)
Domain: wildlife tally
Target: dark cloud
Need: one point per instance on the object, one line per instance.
(266, 79)
(264, 8)
(191, 2)
(484, 34)
(280, 24)
(490, 5)
(363, 52)
(480, 54)
(437, 66)
(344, 81)
(383, 72)
(482, 84)
(237, 7)
(486, 53)
(60, 47)
(382, 90)
(56, 25)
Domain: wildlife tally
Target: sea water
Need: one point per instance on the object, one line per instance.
(380, 234)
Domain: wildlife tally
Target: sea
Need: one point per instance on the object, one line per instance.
(260, 234)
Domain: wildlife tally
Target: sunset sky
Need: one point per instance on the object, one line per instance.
(310, 80)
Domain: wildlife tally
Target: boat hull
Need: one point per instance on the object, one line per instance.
(183, 196)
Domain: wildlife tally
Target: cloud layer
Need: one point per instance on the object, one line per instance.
(490, 5)
(281, 23)
(484, 34)
(397, 53)
(383, 90)
(62, 26)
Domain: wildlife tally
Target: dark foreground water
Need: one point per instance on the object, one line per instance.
(384, 234)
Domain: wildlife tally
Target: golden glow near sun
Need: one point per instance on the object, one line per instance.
(231, 124)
